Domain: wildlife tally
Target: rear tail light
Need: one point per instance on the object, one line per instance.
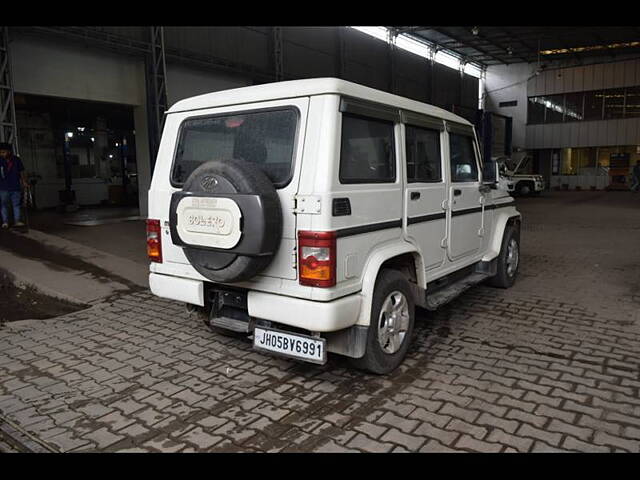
(154, 241)
(317, 258)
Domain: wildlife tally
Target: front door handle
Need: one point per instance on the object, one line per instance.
(415, 195)
(457, 192)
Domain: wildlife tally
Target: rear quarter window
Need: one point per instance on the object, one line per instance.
(367, 150)
(265, 138)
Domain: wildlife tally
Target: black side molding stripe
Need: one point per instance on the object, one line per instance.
(479, 209)
(426, 218)
(501, 205)
(466, 211)
(374, 227)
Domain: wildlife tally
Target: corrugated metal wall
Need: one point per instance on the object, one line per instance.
(314, 52)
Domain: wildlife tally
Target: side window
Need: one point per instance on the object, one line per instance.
(423, 155)
(367, 151)
(463, 159)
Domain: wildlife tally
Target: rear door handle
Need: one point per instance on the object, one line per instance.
(415, 195)
(457, 192)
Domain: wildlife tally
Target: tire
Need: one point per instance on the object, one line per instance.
(234, 177)
(382, 357)
(523, 189)
(507, 272)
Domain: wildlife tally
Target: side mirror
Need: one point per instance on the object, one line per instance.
(490, 175)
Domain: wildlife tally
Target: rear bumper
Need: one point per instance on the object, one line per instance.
(177, 288)
(310, 315)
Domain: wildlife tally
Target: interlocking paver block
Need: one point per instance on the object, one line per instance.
(519, 369)
(200, 438)
(550, 438)
(468, 443)
(519, 443)
(411, 442)
(602, 438)
(364, 443)
(103, 437)
(116, 421)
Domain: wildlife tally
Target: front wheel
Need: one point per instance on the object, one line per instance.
(523, 189)
(508, 260)
(391, 327)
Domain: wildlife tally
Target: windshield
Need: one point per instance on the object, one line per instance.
(265, 138)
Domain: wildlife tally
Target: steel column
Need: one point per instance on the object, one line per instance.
(8, 127)
(341, 59)
(276, 33)
(156, 90)
(392, 60)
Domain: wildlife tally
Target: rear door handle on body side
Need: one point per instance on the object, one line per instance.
(457, 192)
(415, 195)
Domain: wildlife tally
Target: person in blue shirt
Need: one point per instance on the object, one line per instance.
(12, 179)
(635, 177)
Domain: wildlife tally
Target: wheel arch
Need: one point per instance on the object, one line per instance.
(404, 258)
(501, 221)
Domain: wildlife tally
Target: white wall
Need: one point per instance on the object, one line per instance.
(505, 83)
(42, 67)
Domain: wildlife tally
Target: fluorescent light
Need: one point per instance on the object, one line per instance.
(422, 49)
(380, 33)
(413, 46)
(446, 59)
(472, 70)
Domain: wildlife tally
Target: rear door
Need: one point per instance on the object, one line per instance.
(465, 199)
(269, 134)
(426, 190)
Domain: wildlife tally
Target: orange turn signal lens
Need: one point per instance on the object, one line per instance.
(154, 241)
(317, 258)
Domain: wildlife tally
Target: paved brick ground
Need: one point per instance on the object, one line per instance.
(494, 371)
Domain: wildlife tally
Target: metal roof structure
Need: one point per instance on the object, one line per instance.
(504, 45)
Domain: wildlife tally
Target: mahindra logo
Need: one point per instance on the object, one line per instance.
(209, 183)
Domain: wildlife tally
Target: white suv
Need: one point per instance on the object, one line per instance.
(313, 216)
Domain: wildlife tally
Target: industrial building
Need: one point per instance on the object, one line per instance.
(100, 353)
(84, 105)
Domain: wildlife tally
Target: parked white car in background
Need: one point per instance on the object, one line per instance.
(313, 216)
(522, 184)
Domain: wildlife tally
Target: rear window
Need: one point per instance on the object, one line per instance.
(264, 138)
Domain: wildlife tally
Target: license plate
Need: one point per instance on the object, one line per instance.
(301, 347)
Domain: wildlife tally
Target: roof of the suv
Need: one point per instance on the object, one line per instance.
(304, 88)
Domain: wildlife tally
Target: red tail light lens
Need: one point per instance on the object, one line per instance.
(317, 258)
(154, 241)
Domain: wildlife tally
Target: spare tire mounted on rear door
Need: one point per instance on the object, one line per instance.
(227, 219)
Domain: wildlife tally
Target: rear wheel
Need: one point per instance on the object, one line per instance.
(508, 260)
(391, 327)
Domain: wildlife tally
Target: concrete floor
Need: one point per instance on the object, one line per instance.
(123, 238)
(549, 365)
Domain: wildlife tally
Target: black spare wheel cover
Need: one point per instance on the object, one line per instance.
(261, 224)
